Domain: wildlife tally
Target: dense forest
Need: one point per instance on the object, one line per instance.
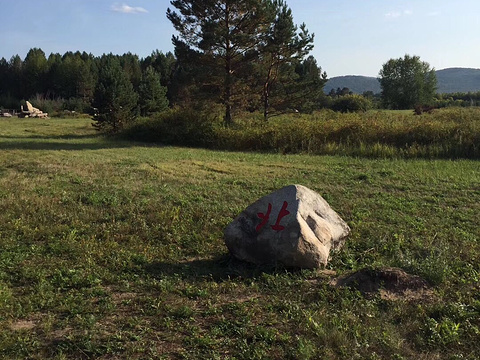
(69, 81)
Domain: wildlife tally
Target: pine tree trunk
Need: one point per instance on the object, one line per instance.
(228, 73)
(228, 97)
(228, 108)
(266, 94)
(266, 103)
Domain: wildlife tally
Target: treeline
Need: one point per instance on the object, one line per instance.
(462, 99)
(70, 81)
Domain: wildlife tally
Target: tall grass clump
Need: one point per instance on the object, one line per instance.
(447, 133)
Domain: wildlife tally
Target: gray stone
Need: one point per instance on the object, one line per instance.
(293, 227)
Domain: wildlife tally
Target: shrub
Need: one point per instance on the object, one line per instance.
(47, 105)
(351, 103)
(175, 127)
(76, 104)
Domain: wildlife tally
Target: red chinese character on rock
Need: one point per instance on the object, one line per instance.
(265, 217)
(283, 212)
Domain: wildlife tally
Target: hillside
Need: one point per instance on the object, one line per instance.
(449, 81)
(458, 80)
(357, 84)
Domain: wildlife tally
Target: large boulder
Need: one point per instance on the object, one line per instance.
(293, 227)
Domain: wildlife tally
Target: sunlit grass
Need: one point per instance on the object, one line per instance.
(114, 249)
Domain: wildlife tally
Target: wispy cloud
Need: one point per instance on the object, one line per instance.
(434, 13)
(393, 14)
(126, 9)
(397, 14)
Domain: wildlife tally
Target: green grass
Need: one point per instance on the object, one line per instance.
(113, 249)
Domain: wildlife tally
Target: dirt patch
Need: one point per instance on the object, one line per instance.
(118, 297)
(390, 283)
(22, 325)
(59, 334)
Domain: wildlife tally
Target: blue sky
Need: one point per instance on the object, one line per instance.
(352, 37)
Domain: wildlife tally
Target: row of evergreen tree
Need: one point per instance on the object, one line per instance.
(77, 77)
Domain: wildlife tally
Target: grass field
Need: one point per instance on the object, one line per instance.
(112, 249)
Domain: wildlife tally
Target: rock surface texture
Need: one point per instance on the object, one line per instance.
(293, 227)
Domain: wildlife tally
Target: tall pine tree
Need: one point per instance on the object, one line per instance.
(282, 47)
(152, 95)
(115, 100)
(35, 69)
(223, 36)
(308, 93)
(15, 77)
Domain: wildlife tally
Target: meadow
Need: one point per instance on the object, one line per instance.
(114, 249)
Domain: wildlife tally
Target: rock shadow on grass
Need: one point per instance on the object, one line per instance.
(220, 268)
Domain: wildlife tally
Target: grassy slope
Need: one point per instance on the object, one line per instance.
(114, 249)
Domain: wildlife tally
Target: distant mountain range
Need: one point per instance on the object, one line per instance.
(449, 81)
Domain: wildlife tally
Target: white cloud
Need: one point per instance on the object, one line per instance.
(393, 14)
(397, 14)
(434, 13)
(126, 9)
